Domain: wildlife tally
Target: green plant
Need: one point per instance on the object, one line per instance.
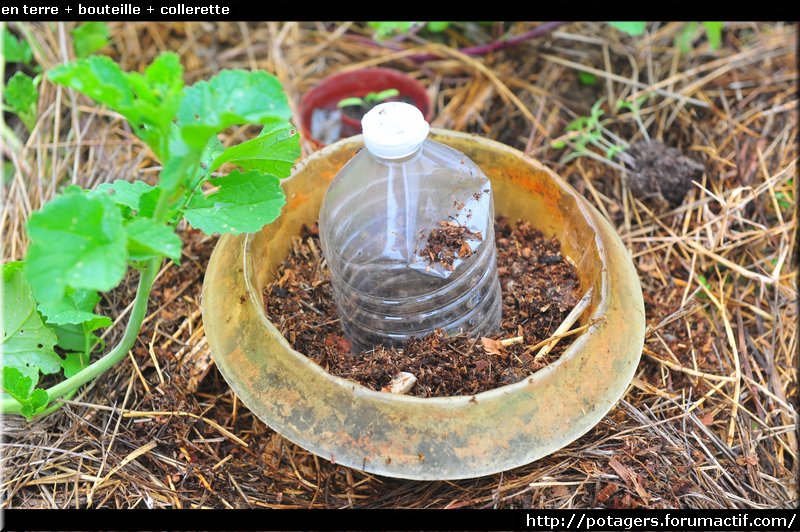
(89, 37)
(635, 107)
(370, 100)
(84, 241)
(631, 28)
(685, 37)
(688, 34)
(21, 97)
(383, 30)
(586, 78)
(587, 131)
(15, 50)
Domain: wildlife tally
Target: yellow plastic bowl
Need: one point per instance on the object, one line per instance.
(430, 438)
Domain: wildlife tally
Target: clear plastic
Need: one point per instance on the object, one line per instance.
(375, 223)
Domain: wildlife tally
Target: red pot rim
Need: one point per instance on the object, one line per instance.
(359, 83)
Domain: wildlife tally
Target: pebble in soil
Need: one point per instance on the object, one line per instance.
(540, 287)
(660, 172)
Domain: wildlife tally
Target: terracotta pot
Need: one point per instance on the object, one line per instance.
(430, 438)
(359, 83)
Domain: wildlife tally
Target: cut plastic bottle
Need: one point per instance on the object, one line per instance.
(407, 228)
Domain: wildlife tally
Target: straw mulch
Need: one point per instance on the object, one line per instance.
(709, 420)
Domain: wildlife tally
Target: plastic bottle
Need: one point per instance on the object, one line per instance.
(375, 224)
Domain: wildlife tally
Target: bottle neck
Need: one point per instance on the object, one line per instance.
(400, 160)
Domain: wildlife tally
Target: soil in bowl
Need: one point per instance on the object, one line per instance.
(540, 287)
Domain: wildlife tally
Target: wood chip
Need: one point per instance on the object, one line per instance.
(401, 384)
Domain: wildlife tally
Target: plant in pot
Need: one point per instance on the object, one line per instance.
(322, 119)
(354, 108)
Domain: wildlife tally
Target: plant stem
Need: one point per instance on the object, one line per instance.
(54, 406)
(148, 275)
(538, 31)
(100, 366)
(481, 49)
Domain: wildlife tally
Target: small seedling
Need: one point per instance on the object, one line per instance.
(21, 98)
(370, 100)
(587, 131)
(635, 107)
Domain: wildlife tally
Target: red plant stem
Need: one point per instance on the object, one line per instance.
(501, 44)
(538, 31)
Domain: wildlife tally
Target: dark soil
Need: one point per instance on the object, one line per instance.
(539, 285)
(448, 242)
(661, 172)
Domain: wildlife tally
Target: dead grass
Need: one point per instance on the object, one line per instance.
(710, 418)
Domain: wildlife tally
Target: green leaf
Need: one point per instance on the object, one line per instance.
(89, 37)
(232, 97)
(631, 28)
(148, 202)
(558, 144)
(187, 165)
(158, 93)
(20, 387)
(71, 337)
(148, 239)
(16, 50)
(37, 402)
(76, 241)
(273, 151)
(148, 101)
(783, 200)
(26, 343)
(704, 282)
(8, 172)
(586, 78)
(685, 38)
(124, 192)
(437, 27)
(351, 102)
(386, 29)
(74, 362)
(245, 202)
(714, 34)
(22, 97)
(77, 306)
(382, 95)
(101, 79)
(578, 124)
(16, 384)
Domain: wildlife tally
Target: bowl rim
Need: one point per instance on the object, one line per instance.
(352, 425)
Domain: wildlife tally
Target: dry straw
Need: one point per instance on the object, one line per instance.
(710, 418)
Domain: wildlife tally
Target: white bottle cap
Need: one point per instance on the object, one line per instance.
(393, 130)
